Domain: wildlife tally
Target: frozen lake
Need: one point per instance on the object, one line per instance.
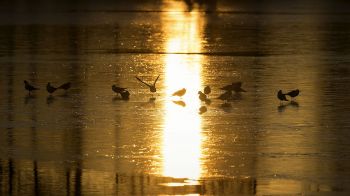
(90, 142)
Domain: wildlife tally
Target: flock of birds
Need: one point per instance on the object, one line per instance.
(203, 96)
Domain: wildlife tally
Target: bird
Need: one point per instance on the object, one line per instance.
(180, 92)
(202, 96)
(118, 89)
(202, 109)
(29, 87)
(51, 89)
(281, 96)
(235, 86)
(65, 86)
(293, 93)
(125, 95)
(180, 103)
(226, 96)
(152, 87)
(207, 90)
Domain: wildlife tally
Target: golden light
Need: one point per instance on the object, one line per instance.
(182, 131)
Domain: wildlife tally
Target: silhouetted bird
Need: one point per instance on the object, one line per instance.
(281, 96)
(235, 86)
(226, 96)
(118, 89)
(29, 87)
(202, 109)
(152, 87)
(125, 95)
(207, 90)
(202, 96)
(65, 86)
(51, 89)
(179, 93)
(293, 93)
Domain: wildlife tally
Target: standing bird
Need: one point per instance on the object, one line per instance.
(65, 86)
(152, 87)
(51, 89)
(29, 87)
(202, 96)
(118, 89)
(281, 96)
(293, 93)
(207, 90)
(179, 93)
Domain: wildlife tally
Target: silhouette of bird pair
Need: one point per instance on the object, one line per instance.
(51, 89)
(282, 96)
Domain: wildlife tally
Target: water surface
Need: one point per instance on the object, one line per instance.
(90, 142)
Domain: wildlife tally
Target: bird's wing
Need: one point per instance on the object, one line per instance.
(142, 81)
(156, 81)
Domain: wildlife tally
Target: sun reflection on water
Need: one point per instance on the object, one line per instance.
(182, 132)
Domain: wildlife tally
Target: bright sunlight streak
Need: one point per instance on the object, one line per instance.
(182, 132)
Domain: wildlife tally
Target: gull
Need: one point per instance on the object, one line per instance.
(207, 90)
(293, 93)
(29, 87)
(152, 87)
(281, 96)
(51, 89)
(235, 86)
(202, 96)
(65, 86)
(118, 89)
(179, 93)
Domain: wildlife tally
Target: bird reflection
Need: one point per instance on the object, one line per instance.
(28, 98)
(152, 100)
(180, 103)
(50, 99)
(294, 104)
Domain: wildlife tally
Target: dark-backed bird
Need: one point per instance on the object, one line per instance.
(179, 93)
(281, 96)
(65, 86)
(207, 90)
(235, 86)
(51, 89)
(152, 87)
(293, 93)
(29, 87)
(226, 96)
(118, 89)
(202, 96)
(125, 95)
